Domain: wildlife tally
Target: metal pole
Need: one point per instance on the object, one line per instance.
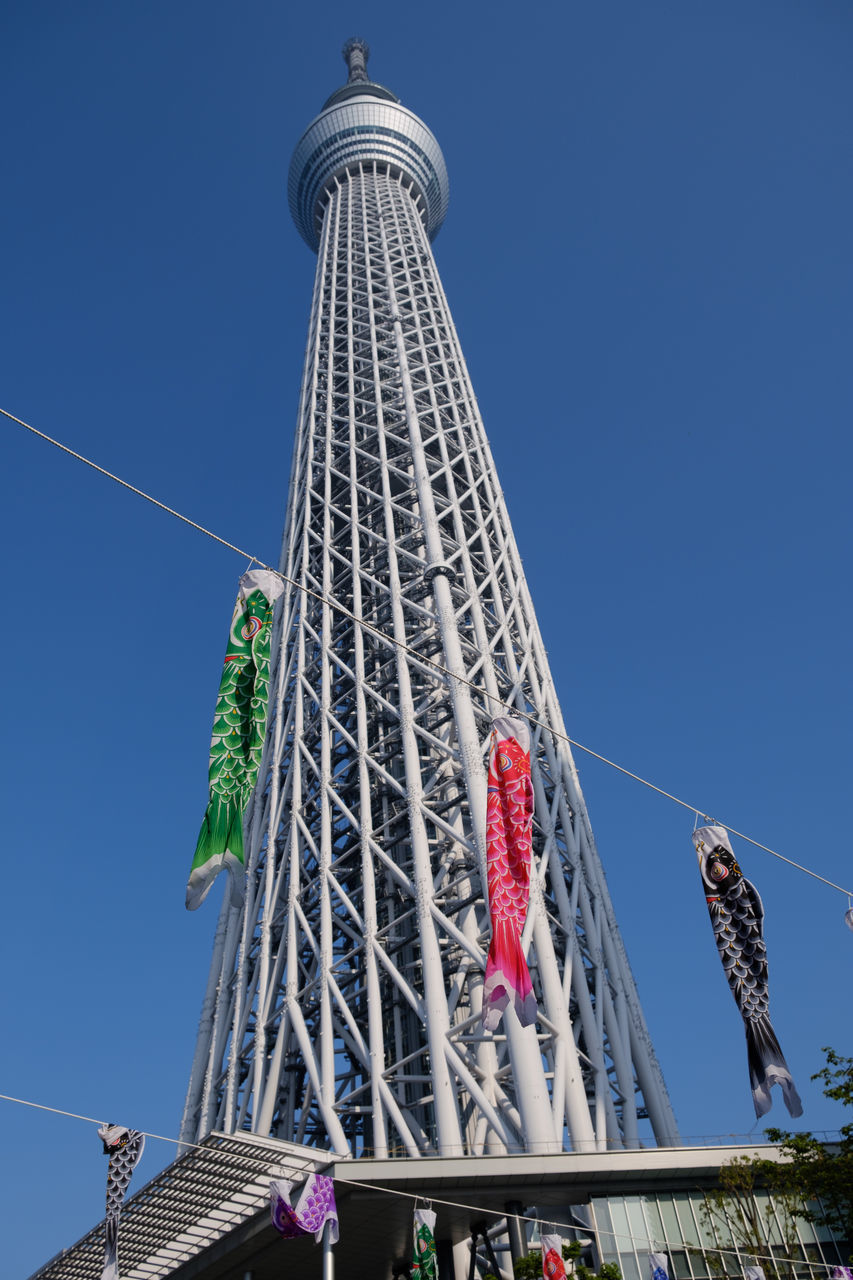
(517, 1242)
(328, 1255)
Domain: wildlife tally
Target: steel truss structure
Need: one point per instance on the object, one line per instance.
(344, 1003)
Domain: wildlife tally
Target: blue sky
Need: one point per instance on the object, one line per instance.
(647, 255)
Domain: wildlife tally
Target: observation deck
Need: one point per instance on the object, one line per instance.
(362, 123)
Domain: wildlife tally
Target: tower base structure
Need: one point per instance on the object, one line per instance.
(206, 1217)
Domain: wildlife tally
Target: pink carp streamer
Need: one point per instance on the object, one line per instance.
(509, 823)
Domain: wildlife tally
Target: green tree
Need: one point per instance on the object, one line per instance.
(530, 1266)
(813, 1183)
(821, 1175)
(734, 1208)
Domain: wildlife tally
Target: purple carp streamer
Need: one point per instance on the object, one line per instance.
(314, 1208)
(737, 918)
(124, 1147)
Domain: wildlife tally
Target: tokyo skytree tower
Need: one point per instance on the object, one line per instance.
(343, 1008)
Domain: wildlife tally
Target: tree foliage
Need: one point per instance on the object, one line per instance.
(530, 1266)
(813, 1183)
(819, 1172)
(732, 1207)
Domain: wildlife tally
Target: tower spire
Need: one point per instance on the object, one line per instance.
(356, 52)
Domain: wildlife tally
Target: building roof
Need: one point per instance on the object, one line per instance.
(196, 1202)
(207, 1215)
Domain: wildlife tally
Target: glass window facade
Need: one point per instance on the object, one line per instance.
(628, 1228)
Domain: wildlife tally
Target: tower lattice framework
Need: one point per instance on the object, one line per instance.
(343, 1008)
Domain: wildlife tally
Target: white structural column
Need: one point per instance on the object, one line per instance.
(343, 1007)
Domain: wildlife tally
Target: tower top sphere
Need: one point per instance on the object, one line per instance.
(360, 123)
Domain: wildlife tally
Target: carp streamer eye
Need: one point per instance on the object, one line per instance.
(251, 629)
(717, 871)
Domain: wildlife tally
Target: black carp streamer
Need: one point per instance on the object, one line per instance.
(737, 918)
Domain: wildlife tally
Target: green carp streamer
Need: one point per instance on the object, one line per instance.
(239, 728)
(424, 1259)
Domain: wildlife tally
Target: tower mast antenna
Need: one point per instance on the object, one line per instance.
(356, 52)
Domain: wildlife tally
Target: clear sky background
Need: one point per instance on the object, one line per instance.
(648, 258)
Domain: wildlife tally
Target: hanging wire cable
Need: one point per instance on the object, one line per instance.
(75, 1115)
(266, 1165)
(403, 647)
(125, 485)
